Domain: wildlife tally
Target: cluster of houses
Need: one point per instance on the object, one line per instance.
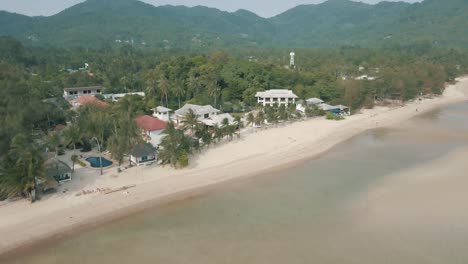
(287, 97)
(153, 126)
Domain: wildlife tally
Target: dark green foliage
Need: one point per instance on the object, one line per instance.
(334, 23)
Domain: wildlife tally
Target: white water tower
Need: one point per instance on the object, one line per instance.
(292, 63)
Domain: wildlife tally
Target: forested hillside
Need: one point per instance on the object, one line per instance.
(335, 23)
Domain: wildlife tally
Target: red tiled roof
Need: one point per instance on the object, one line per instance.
(149, 123)
(90, 99)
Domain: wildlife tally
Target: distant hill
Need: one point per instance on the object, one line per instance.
(97, 23)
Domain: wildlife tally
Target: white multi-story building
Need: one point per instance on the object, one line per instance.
(276, 97)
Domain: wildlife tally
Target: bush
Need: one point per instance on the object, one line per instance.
(183, 159)
(330, 116)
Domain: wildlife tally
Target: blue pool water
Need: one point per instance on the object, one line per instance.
(96, 162)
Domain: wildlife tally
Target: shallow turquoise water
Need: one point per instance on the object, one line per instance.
(299, 215)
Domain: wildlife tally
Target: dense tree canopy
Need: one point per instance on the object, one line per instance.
(32, 82)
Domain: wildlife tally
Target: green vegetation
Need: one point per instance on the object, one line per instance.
(32, 81)
(332, 24)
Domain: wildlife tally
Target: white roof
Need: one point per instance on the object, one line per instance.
(218, 120)
(162, 109)
(326, 107)
(315, 101)
(197, 109)
(276, 93)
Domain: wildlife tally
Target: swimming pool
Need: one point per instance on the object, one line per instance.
(96, 162)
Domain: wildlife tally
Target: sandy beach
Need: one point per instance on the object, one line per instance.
(56, 215)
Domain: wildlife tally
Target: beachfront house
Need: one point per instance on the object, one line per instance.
(301, 105)
(276, 97)
(218, 120)
(143, 154)
(337, 109)
(57, 170)
(75, 92)
(152, 129)
(202, 112)
(162, 113)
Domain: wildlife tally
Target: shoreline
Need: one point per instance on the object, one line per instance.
(28, 225)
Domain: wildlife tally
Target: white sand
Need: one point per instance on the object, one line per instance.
(23, 223)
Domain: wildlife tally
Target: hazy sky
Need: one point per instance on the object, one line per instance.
(265, 8)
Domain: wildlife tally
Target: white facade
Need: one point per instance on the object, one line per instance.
(162, 113)
(155, 137)
(73, 93)
(202, 112)
(117, 97)
(144, 154)
(276, 97)
(218, 120)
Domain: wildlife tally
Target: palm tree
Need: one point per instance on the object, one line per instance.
(164, 87)
(214, 90)
(175, 146)
(239, 124)
(73, 136)
(178, 91)
(218, 133)
(53, 141)
(24, 165)
(260, 118)
(189, 121)
(229, 131)
(283, 115)
(194, 84)
(250, 119)
(205, 135)
(151, 87)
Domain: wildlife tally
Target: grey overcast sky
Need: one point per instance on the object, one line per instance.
(265, 8)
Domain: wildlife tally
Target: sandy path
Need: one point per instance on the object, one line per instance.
(23, 223)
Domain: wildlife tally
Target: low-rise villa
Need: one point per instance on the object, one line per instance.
(337, 109)
(75, 92)
(152, 128)
(202, 112)
(143, 154)
(218, 120)
(276, 97)
(162, 113)
(301, 105)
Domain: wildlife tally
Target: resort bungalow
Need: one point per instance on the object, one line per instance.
(58, 170)
(75, 92)
(276, 96)
(338, 109)
(202, 112)
(143, 154)
(152, 128)
(218, 120)
(301, 105)
(162, 113)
